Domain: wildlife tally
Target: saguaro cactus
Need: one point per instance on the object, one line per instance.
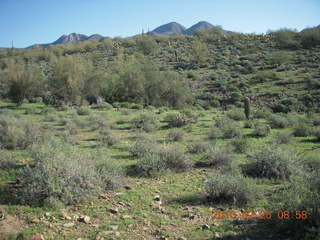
(247, 107)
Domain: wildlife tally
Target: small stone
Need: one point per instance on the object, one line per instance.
(205, 227)
(65, 216)
(36, 237)
(126, 217)
(117, 234)
(114, 227)
(85, 219)
(47, 214)
(35, 220)
(182, 238)
(114, 210)
(157, 197)
(68, 225)
(216, 235)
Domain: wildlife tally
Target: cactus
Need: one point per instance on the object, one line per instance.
(247, 107)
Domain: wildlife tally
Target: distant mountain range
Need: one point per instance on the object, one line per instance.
(172, 28)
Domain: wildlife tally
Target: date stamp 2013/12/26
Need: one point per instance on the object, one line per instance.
(261, 214)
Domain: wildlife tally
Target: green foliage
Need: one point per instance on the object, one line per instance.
(17, 133)
(261, 129)
(176, 135)
(143, 145)
(62, 174)
(271, 162)
(147, 45)
(277, 121)
(199, 147)
(7, 162)
(283, 137)
(236, 114)
(218, 156)
(82, 111)
(162, 159)
(302, 129)
(286, 38)
(200, 52)
(310, 37)
(147, 122)
(177, 119)
(107, 138)
(240, 144)
(228, 189)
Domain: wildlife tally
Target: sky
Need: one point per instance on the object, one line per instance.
(26, 22)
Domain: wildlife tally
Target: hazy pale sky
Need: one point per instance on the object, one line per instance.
(27, 22)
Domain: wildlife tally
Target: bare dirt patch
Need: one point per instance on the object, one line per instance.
(11, 225)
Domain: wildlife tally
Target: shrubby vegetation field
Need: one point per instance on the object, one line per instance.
(142, 138)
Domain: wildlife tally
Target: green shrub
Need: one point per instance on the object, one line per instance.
(262, 113)
(236, 114)
(191, 115)
(302, 129)
(176, 135)
(261, 130)
(143, 144)
(29, 111)
(231, 130)
(7, 162)
(102, 106)
(61, 174)
(83, 111)
(99, 122)
(224, 127)
(146, 121)
(177, 120)
(228, 189)
(277, 121)
(218, 156)
(162, 159)
(17, 133)
(283, 137)
(199, 147)
(215, 133)
(107, 138)
(271, 162)
(240, 144)
(316, 133)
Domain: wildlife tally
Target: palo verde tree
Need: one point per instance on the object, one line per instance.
(21, 81)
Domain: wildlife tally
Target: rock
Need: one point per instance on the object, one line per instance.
(164, 238)
(157, 197)
(68, 225)
(47, 214)
(85, 219)
(113, 210)
(114, 227)
(103, 196)
(126, 217)
(205, 227)
(65, 216)
(35, 220)
(117, 234)
(216, 235)
(182, 238)
(36, 237)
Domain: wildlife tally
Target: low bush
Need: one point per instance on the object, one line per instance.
(143, 144)
(102, 106)
(7, 162)
(236, 114)
(162, 159)
(316, 133)
(177, 120)
(262, 113)
(218, 156)
(228, 189)
(224, 127)
(277, 121)
(62, 175)
(215, 133)
(302, 129)
(271, 162)
(107, 138)
(283, 137)
(261, 129)
(176, 135)
(83, 111)
(199, 147)
(17, 133)
(240, 144)
(146, 122)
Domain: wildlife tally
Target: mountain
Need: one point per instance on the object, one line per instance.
(71, 38)
(199, 26)
(172, 28)
(95, 38)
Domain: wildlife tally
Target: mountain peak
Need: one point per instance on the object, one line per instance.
(71, 38)
(171, 28)
(202, 25)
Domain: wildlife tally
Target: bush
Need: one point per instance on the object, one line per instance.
(228, 189)
(283, 138)
(260, 129)
(162, 159)
(176, 135)
(61, 174)
(102, 106)
(7, 162)
(199, 147)
(231, 130)
(277, 121)
(177, 120)
(240, 144)
(270, 162)
(302, 129)
(224, 127)
(316, 133)
(146, 122)
(143, 144)
(17, 133)
(107, 138)
(236, 114)
(262, 113)
(218, 156)
(83, 111)
(215, 133)
(99, 122)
